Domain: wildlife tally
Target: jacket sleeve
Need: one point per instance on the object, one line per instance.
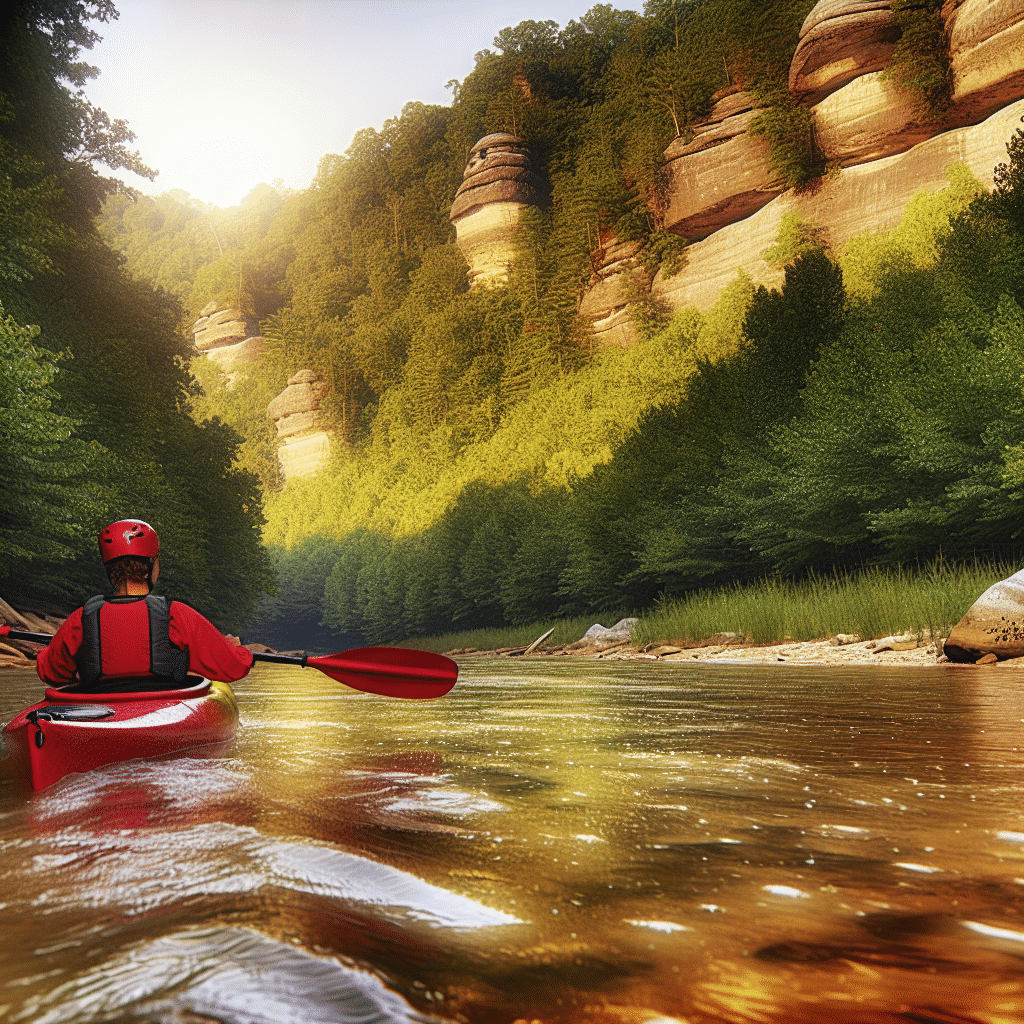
(55, 663)
(210, 653)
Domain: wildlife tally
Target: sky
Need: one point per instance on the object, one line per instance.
(225, 94)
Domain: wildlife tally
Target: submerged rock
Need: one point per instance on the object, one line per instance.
(994, 624)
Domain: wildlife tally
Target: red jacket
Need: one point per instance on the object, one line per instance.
(211, 654)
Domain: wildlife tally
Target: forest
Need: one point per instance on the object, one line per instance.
(490, 464)
(95, 389)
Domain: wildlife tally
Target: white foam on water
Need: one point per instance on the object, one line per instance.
(233, 975)
(218, 859)
(786, 890)
(993, 932)
(668, 927)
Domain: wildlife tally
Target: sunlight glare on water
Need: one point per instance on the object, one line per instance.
(552, 842)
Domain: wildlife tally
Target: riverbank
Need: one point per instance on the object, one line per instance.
(844, 649)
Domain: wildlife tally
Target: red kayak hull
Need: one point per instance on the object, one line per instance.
(135, 725)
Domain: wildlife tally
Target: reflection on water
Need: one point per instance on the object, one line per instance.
(550, 842)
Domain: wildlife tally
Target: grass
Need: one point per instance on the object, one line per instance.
(872, 603)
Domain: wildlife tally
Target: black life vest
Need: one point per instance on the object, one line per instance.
(129, 637)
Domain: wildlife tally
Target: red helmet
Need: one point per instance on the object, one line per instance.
(128, 537)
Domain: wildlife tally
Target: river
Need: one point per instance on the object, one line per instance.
(554, 841)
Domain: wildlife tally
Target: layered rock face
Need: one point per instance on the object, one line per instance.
(498, 184)
(837, 70)
(863, 125)
(840, 40)
(986, 43)
(867, 197)
(615, 283)
(303, 445)
(722, 175)
(226, 336)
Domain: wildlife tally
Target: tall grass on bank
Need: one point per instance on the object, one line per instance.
(872, 603)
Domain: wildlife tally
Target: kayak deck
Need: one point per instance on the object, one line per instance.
(69, 732)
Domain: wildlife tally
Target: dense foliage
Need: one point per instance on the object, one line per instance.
(489, 465)
(93, 418)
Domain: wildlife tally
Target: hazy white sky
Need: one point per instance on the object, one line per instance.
(225, 94)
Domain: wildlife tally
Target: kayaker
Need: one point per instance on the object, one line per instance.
(137, 639)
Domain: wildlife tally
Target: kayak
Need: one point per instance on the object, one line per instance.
(69, 732)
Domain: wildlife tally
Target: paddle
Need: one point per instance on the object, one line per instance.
(388, 671)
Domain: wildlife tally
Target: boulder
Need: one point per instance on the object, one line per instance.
(994, 624)
(622, 630)
(497, 185)
(840, 40)
(986, 45)
(866, 197)
(867, 119)
(721, 175)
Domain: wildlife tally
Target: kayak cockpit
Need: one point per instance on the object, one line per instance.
(138, 687)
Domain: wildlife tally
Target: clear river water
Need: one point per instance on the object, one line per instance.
(555, 841)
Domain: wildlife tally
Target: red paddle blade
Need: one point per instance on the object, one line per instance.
(390, 671)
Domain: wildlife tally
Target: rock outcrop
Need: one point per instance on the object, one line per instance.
(994, 624)
(731, 210)
(867, 119)
(226, 336)
(303, 445)
(986, 45)
(617, 280)
(721, 175)
(220, 325)
(498, 183)
(868, 197)
(840, 40)
(230, 357)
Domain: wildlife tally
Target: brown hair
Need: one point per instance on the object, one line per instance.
(121, 570)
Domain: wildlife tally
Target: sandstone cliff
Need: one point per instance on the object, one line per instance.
(724, 196)
(873, 135)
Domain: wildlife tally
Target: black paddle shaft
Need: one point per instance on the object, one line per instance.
(280, 659)
(32, 638)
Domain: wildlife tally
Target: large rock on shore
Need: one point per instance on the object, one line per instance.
(499, 182)
(994, 624)
(721, 175)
